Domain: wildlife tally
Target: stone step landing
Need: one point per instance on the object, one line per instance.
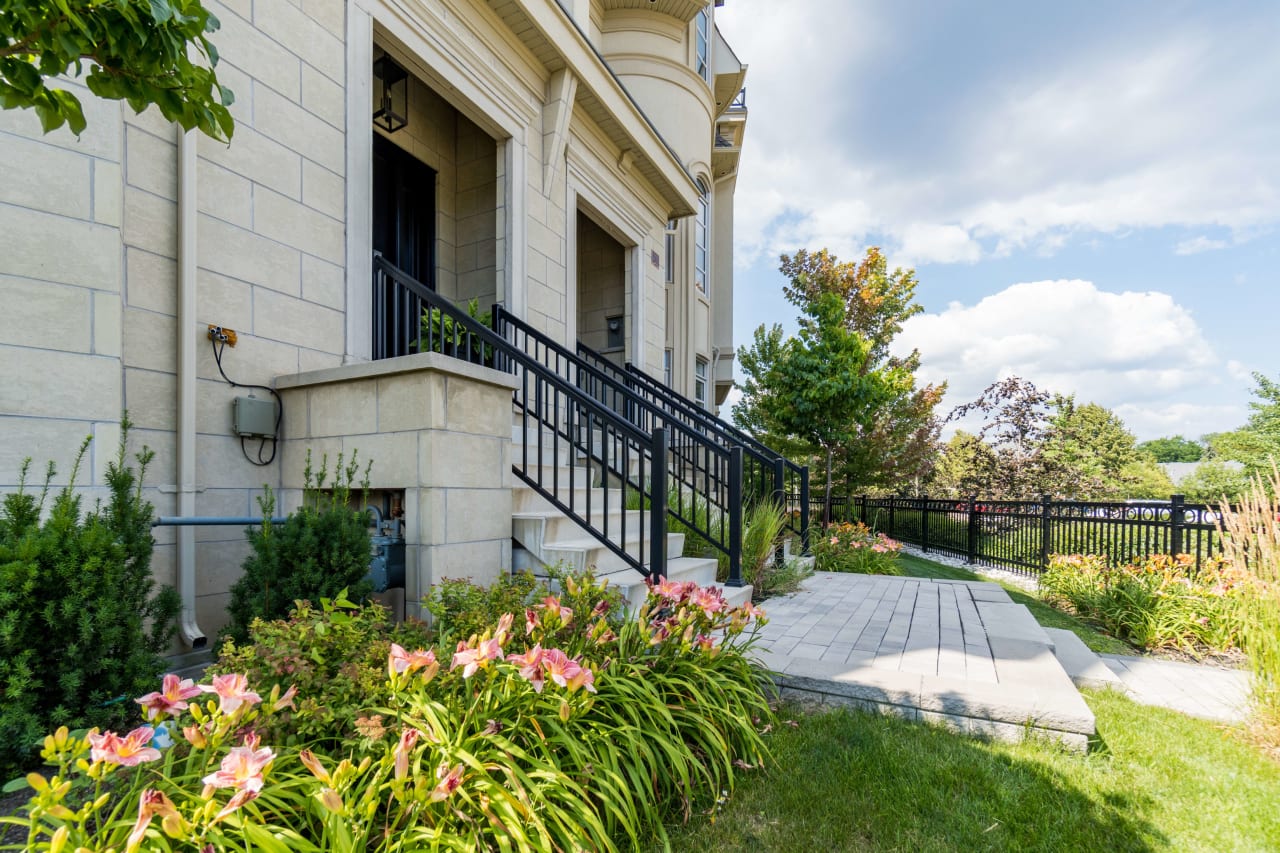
(957, 653)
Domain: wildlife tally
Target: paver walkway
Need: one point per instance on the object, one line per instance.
(960, 653)
(1193, 689)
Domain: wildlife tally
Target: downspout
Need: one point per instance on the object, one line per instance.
(186, 536)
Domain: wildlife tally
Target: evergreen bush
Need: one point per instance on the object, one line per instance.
(320, 550)
(81, 622)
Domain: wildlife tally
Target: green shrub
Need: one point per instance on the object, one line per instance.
(854, 548)
(334, 656)
(1156, 602)
(460, 608)
(321, 549)
(514, 742)
(81, 623)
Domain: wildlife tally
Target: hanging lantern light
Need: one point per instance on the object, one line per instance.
(393, 103)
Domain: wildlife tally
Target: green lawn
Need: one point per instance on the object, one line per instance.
(1046, 615)
(842, 780)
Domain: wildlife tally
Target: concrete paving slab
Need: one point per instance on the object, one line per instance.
(969, 660)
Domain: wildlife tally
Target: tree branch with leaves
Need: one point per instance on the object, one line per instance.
(137, 51)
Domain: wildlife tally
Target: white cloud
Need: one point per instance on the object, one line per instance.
(1195, 245)
(1126, 351)
(1118, 129)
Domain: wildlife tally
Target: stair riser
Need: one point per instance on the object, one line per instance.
(525, 499)
(601, 557)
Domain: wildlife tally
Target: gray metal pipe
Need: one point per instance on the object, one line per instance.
(209, 520)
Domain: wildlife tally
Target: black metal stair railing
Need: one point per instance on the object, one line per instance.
(579, 452)
(765, 471)
(705, 477)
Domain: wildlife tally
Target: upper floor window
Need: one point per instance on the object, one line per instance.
(702, 44)
(701, 240)
(700, 382)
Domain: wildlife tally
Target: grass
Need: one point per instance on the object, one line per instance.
(843, 780)
(1045, 614)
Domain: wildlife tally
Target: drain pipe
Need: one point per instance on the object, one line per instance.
(186, 536)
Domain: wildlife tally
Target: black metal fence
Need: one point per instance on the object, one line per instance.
(1023, 535)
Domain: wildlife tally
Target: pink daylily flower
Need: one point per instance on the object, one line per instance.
(233, 691)
(450, 781)
(530, 621)
(242, 769)
(478, 658)
(551, 603)
(504, 627)
(400, 661)
(530, 664)
(239, 799)
(674, 590)
(170, 699)
(566, 671)
(408, 739)
(150, 804)
(709, 600)
(128, 751)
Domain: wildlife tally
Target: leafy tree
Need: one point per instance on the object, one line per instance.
(834, 390)
(964, 467)
(1091, 449)
(1016, 426)
(1213, 482)
(1146, 479)
(1172, 449)
(1257, 443)
(137, 51)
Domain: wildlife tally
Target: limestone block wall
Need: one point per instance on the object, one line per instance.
(435, 428)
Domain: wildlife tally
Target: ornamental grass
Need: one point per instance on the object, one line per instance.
(559, 728)
(1251, 545)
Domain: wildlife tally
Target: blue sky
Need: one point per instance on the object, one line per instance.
(1088, 192)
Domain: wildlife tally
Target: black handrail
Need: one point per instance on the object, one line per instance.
(706, 476)
(557, 411)
(766, 470)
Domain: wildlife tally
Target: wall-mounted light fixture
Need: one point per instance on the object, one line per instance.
(393, 103)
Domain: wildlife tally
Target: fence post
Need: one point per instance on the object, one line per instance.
(779, 499)
(804, 509)
(971, 549)
(924, 523)
(1177, 520)
(862, 510)
(658, 505)
(1046, 529)
(735, 516)
(892, 501)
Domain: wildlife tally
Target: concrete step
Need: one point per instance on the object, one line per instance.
(527, 499)
(584, 551)
(1082, 664)
(536, 528)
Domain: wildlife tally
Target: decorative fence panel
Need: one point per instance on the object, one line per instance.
(1023, 535)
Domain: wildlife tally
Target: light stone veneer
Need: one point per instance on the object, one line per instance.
(437, 429)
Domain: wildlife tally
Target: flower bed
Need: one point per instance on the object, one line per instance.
(565, 727)
(854, 548)
(1158, 602)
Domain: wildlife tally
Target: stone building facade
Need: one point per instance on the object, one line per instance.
(573, 160)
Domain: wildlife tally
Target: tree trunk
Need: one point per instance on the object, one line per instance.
(826, 509)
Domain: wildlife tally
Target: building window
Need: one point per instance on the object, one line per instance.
(666, 367)
(701, 235)
(702, 45)
(670, 259)
(700, 382)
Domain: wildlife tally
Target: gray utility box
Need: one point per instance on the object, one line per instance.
(253, 418)
(386, 569)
